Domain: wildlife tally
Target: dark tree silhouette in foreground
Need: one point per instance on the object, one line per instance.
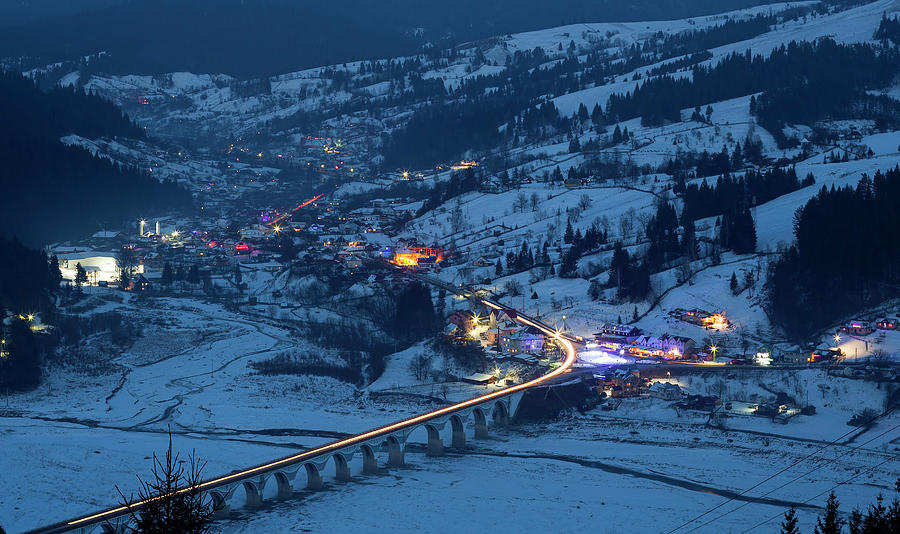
(789, 525)
(170, 500)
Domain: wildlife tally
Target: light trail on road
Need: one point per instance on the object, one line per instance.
(337, 445)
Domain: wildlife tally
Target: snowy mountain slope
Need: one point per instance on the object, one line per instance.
(208, 104)
(852, 26)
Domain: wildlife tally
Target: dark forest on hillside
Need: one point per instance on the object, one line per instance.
(469, 116)
(52, 191)
(249, 39)
(802, 83)
(846, 258)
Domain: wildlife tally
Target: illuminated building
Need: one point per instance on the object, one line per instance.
(413, 256)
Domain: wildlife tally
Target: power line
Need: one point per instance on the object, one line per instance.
(814, 469)
(832, 488)
(758, 484)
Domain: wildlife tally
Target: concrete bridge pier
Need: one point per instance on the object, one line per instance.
(370, 463)
(285, 486)
(435, 444)
(458, 439)
(221, 500)
(395, 452)
(254, 494)
(481, 429)
(500, 414)
(341, 467)
(313, 476)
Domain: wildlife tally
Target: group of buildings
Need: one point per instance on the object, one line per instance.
(633, 341)
(323, 233)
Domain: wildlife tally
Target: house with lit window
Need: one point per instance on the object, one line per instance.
(464, 319)
(621, 383)
(888, 323)
(666, 391)
(857, 328)
(666, 345)
(522, 341)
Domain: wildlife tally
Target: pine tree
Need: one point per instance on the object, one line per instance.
(193, 276)
(854, 523)
(689, 248)
(574, 146)
(830, 522)
(789, 525)
(569, 263)
(55, 275)
(618, 269)
(498, 269)
(634, 315)
(569, 235)
(733, 284)
(169, 506)
(524, 259)
(557, 175)
(80, 276)
(876, 518)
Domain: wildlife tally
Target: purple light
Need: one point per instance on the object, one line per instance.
(601, 357)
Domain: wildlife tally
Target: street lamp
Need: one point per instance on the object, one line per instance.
(837, 338)
(714, 349)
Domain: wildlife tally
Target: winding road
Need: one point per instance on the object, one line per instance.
(100, 517)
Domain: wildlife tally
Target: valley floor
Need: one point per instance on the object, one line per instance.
(641, 468)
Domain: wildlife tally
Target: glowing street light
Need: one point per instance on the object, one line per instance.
(277, 229)
(30, 317)
(837, 338)
(405, 175)
(714, 349)
(175, 233)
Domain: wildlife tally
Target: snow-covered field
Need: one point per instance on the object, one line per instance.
(78, 437)
(606, 474)
(644, 467)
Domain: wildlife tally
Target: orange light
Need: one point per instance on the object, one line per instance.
(411, 256)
